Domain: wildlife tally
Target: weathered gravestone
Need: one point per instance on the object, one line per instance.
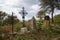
(33, 24)
(46, 22)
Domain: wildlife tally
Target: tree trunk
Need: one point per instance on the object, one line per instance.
(52, 13)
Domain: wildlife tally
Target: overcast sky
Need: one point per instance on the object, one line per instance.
(31, 6)
(9, 6)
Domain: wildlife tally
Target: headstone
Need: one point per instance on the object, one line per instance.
(33, 23)
(46, 22)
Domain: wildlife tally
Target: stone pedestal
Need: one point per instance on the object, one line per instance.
(23, 30)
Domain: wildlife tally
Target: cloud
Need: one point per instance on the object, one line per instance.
(33, 10)
(11, 2)
(9, 6)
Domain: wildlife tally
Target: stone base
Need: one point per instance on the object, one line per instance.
(23, 30)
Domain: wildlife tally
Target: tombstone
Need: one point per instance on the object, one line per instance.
(33, 24)
(46, 22)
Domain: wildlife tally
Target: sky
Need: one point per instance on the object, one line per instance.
(9, 6)
(31, 7)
